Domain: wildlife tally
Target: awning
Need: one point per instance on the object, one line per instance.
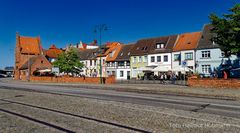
(44, 70)
(161, 69)
(181, 69)
(145, 69)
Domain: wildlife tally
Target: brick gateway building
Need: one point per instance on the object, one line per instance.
(29, 57)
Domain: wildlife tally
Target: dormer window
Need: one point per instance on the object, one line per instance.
(121, 54)
(111, 55)
(160, 45)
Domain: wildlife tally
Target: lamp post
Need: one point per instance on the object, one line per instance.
(99, 29)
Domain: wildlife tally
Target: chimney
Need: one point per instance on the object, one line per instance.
(94, 43)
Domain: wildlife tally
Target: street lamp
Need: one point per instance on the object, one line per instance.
(99, 29)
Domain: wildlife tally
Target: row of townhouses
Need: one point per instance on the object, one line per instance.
(189, 52)
(194, 52)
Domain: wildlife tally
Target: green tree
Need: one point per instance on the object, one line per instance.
(68, 62)
(227, 31)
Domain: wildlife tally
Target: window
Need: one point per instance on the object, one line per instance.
(111, 55)
(158, 58)
(176, 57)
(206, 54)
(128, 73)
(165, 58)
(90, 62)
(121, 63)
(140, 58)
(145, 58)
(95, 62)
(128, 63)
(134, 59)
(121, 54)
(121, 74)
(42, 62)
(152, 58)
(189, 56)
(160, 45)
(144, 48)
(128, 53)
(206, 68)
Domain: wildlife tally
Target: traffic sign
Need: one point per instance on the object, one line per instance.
(184, 63)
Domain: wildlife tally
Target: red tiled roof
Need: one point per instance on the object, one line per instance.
(116, 48)
(29, 45)
(53, 52)
(187, 41)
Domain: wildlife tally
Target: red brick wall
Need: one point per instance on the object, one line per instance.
(41, 62)
(214, 83)
(92, 80)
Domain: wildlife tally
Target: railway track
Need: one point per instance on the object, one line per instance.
(49, 125)
(204, 107)
(56, 127)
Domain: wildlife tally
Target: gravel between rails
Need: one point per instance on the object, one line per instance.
(13, 124)
(143, 117)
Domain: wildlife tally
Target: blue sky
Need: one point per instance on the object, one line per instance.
(62, 22)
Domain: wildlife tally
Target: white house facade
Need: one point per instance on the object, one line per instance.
(90, 68)
(178, 58)
(209, 57)
(161, 62)
(183, 55)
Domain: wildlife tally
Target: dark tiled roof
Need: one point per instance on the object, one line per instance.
(88, 54)
(125, 52)
(142, 47)
(169, 41)
(148, 46)
(205, 41)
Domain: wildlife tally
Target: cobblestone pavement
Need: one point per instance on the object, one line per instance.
(76, 114)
